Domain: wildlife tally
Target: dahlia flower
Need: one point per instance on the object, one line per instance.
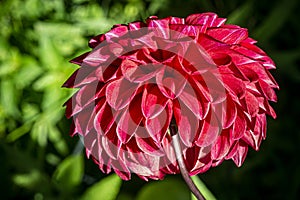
(195, 78)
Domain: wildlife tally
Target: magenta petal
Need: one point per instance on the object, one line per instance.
(121, 169)
(195, 101)
(268, 91)
(153, 101)
(240, 154)
(120, 92)
(89, 93)
(105, 118)
(226, 112)
(170, 82)
(130, 120)
(209, 131)
(201, 19)
(111, 143)
(82, 120)
(79, 60)
(234, 85)
(95, 41)
(228, 35)
(187, 123)
(239, 126)
(222, 146)
(149, 146)
(135, 72)
(252, 104)
(157, 126)
(72, 107)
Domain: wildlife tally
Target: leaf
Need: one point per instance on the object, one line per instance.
(106, 189)
(9, 97)
(241, 14)
(69, 173)
(275, 20)
(169, 188)
(203, 189)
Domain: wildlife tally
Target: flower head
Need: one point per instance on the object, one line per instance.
(207, 77)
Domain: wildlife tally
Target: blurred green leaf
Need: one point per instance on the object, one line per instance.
(8, 97)
(241, 14)
(203, 189)
(275, 20)
(106, 189)
(162, 190)
(69, 173)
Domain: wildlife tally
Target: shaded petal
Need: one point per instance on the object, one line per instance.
(234, 85)
(135, 72)
(149, 146)
(111, 143)
(240, 155)
(239, 126)
(95, 41)
(187, 123)
(226, 112)
(157, 126)
(195, 100)
(79, 60)
(153, 101)
(130, 120)
(252, 105)
(105, 118)
(120, 92)
(210, 129)
(268, 91)
(170, 82)
(222, 146)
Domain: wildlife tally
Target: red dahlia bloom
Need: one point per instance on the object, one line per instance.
(207, 77)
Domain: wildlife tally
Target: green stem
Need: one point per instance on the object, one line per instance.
(182, 167)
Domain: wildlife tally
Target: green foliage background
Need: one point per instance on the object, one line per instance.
(38, 159)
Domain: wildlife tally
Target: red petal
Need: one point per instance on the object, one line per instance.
(111, 143)
(234, 85)
(157, 126)
(187, 123)
(135, 72)
(130, 120)
(209, 131)
(268, 91)
(95, 41)
(120, 92)
(228, 35)
(194, 99)
(88, 93)
(79, 60)
(241, 153)
(149, 146)
(170, 82)
(222, 146)
(153, 102)
(226, 112)
(72, 107)
(239, 126)
(252, 104)
(105, 118)
(207, 19)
